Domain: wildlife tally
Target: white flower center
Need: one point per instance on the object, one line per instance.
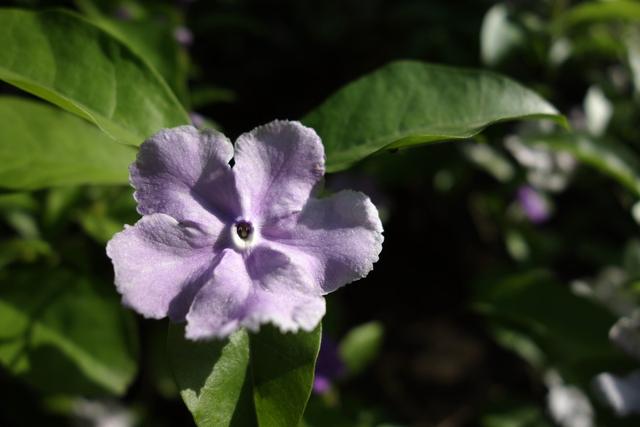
(243, 234)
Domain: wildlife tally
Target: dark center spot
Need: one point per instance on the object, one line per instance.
(244, 229)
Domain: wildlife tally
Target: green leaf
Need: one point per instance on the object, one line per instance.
(360, 346)
(214, 378)
(47, 147)
(81, 68)
(73, 324)
(261, 379)
(609, 157)
(586, 13)
(283, 369)
(410, 103)
(514, 414)
(150, 38)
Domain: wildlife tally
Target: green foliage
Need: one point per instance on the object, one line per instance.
(261, 379)
(360, 346)
(54, 148)
(567, 332)
(595, 11)
(514, 415)
(57, 318)
(79, 67)
(150, 38)
(410, 103)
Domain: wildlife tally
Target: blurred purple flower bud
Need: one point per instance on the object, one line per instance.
(183, 35)
(328, 367)
(533, 204)
(123, 13)
(197, 120)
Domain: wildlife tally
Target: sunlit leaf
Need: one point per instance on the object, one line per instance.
(83, 69)
(409, 103)
(47, 147)
(150, 38)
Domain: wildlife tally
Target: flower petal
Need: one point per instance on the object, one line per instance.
(336, 239)
(185, 173)
(284, 294)
(159, 265)
(265, 287)
(219, 306)
(276, 167)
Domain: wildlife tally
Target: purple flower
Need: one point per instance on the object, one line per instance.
(225, 247)
(328, 367)
(534, 205)
(183, 36)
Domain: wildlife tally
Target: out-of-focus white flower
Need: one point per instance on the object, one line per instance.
(546, 170)
(626, 334)
(620, 393)
(490, 160)
(568, 405)
(635, 212)
(609, 289)
(560, 51)
(598, 111)
(102, 413)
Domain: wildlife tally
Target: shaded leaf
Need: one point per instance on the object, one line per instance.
(282, 366)
(213, 378)
(262, 379)
(570, 331)
(63, 334)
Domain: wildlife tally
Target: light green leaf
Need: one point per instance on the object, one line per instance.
(360, 346)
(47, 147)
(81, 68)
(261, 379)
(585, 13)
(149, 37)
(410, 103)
(65, 334)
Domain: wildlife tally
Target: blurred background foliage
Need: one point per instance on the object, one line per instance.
(507, 259)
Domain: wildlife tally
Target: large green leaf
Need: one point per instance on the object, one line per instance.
(44, 147)
(149, 36)
(409, 103)
(83, 69)
(65, 334)
(261, 379)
